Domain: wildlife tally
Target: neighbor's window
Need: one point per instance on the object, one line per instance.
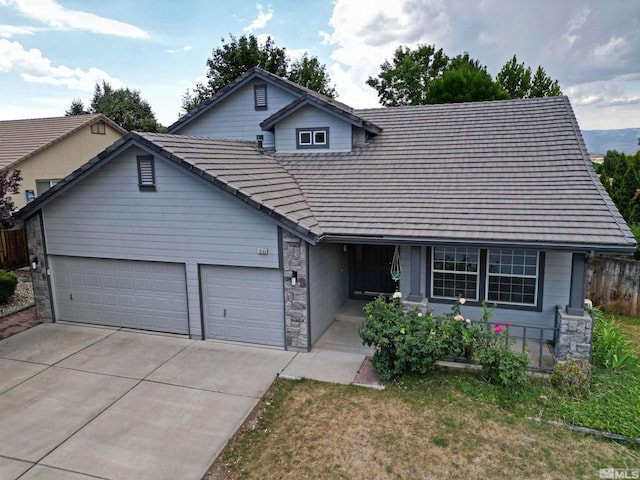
(260, 96)
(455, 272)
(44, 185)
(146, 172)
(312, 137)
(98, 128)
(512, 276)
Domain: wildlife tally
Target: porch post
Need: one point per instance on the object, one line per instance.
(576, 292)
(415, 295)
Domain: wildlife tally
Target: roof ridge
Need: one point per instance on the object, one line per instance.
(606, 199)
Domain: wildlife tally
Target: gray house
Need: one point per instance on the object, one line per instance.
(258, 215)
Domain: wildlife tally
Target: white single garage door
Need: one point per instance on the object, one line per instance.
(121, 293)
(244, 304)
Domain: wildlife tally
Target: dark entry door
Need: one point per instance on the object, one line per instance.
(369, 270)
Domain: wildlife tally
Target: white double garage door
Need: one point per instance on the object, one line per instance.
(243, 304)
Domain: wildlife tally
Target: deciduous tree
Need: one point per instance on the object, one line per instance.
(517, 80)
(408, 78)
(123, 105)
(239, 54)
(9, 185)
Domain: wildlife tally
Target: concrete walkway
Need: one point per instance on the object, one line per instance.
(80, 402)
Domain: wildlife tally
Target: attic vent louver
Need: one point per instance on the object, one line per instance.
(146, 173)
(260, 96)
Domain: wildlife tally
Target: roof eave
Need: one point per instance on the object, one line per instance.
(619, 249)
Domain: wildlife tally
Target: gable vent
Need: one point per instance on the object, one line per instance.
(260, 94)
(146, 173)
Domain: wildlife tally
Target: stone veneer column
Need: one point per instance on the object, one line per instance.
(296, 304)
(574, 337)
(41, 291)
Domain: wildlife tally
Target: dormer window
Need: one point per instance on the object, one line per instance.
(312, 137)
(260, 96)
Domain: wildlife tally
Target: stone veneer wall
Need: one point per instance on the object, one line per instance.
(574, 336)
(296, 305)
(41, 292)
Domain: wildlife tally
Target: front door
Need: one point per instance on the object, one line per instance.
(369, 271)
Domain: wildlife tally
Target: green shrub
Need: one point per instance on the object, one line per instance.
(572, 378)
(500, 364)
(406, 342)
(611, 349)
(8, 283)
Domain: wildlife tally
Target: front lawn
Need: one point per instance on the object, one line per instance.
(447, 425)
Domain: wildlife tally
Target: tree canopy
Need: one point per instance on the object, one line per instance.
(426, 75)
(123, 105)
(409, 78)
(239, 54)
(9, 184)
(516, 79)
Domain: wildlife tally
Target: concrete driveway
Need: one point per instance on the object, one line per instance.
(80, 402)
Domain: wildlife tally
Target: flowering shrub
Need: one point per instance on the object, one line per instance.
(406, 342)
(412, 342)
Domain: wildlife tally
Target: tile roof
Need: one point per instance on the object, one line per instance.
(21, 139)
(239, 168)
(512, 171)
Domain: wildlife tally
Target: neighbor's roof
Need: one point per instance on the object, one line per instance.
(513, 171)
(21, 139)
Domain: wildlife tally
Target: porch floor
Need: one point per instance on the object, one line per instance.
(342, 334)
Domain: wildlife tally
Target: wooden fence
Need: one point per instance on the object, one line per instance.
(13, 249)
(614, 282)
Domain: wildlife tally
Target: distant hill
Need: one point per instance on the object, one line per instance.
(623, 140)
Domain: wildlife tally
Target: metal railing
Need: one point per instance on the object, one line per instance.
(538, 342)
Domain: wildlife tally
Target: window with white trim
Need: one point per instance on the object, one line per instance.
(146, 172)
(512, 276)
(455, 272)
(312, 137)
(44, 185)
(260, 96)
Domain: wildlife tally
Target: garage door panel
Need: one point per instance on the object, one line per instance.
(123, 293)
(244, 304)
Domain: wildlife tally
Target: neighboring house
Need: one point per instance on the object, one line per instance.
(46, 150)
(255, 217)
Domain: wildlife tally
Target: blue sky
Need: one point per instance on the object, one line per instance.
(52, 51)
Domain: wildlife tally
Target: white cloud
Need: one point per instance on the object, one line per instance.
(179, 50)
(8, 31)
(261, 20)
(57, 17)
(33, 67)
(364, 37)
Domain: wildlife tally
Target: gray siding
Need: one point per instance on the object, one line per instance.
(328, 282)
(185, 221)
(309, 117)
(557, 281)
(235, 117)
